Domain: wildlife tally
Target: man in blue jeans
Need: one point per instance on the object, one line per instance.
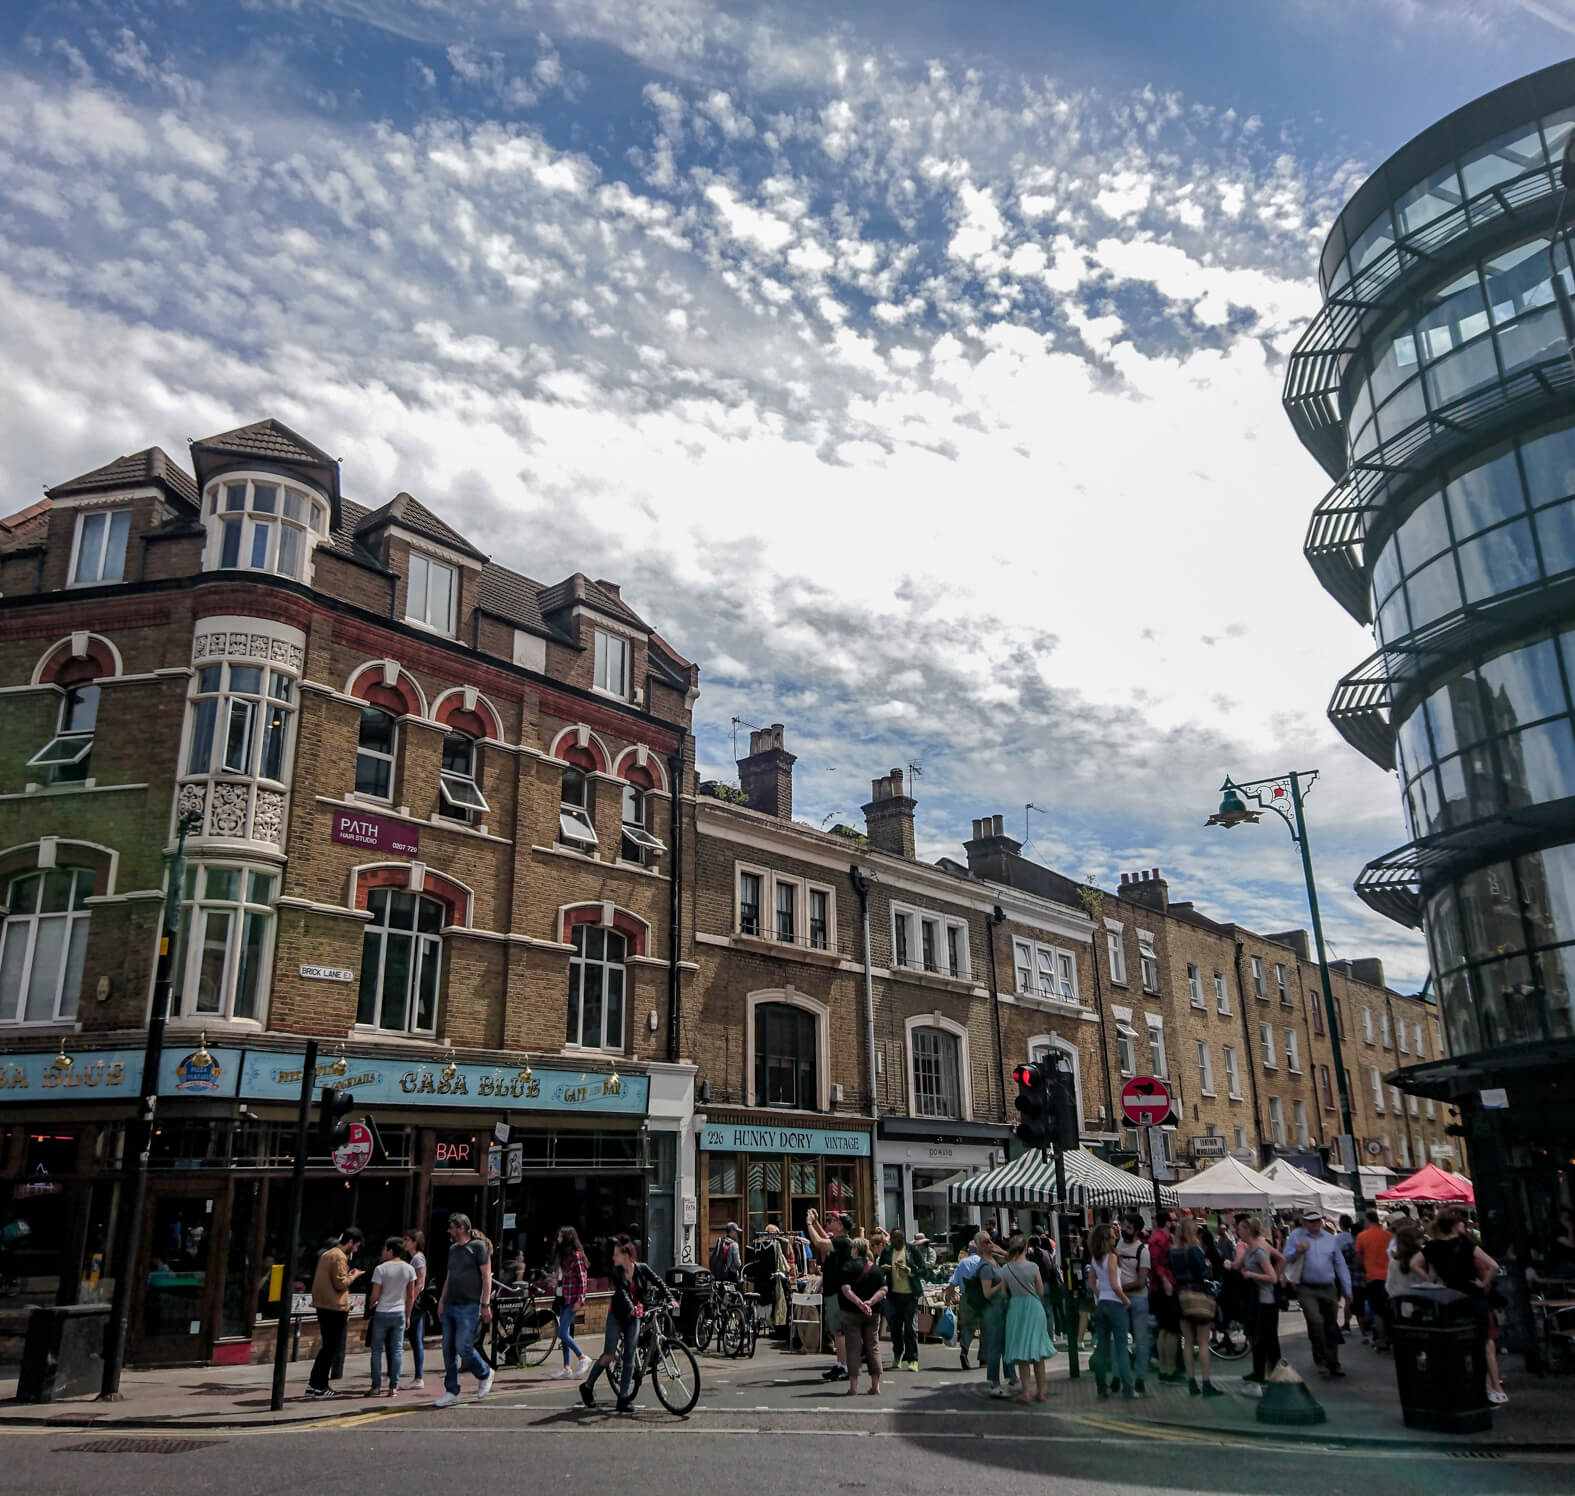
(466, 1298)
(1132, 1254)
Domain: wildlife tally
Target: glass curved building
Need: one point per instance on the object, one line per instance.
(1436, 389)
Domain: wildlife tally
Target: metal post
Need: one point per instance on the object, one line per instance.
(292, 1225)
(1072, 1369)
(861, 886)
(1342, 1080)
(142, 1125)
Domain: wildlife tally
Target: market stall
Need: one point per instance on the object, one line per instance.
(1030, 1182)
(1231, 1185)
(1431, 1185)
(1332, 1199)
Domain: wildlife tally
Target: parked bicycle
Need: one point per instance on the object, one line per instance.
(661, 1355)
(727, 1317)
(1229, 1339)
(524, 1328)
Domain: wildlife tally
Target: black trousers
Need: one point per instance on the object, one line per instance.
(1265, 1339)
(331, 1327)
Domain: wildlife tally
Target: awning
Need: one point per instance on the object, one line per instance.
(1331, 1197)
(1030, 1180)
(1231, 1185)
(1433, 1184)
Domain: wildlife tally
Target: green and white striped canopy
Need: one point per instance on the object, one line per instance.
(1030, 1180)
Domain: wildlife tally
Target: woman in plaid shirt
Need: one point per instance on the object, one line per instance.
(572, 1288)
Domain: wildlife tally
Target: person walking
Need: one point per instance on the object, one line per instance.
(389, 1302)
(1408, 1269)
(1459, 1263)
(331, 1299)
(863, 1289)
(632, 1283)
(1112, 1314)
(1324, 1280)
(1025, 1338)
(1133, 1255)
(727, 1255)
(1162, 1301)
(465, 1300)
(1260, 1275)
(831, 1248)
(573, 1285)
(415, 1253)
(971, 1302)
(1196, 1309)
(1370, 1251)
(904, 1280)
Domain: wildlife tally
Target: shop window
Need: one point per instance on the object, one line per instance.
(67, 754)
(43, 942)
(240, 721)
(786, 1059)
(597, 984)
(459, 779)
(574, 812)
(936, 1081)
(637, 845)
(374, 754)
(222, 952)
(100, 547)
(401, 958)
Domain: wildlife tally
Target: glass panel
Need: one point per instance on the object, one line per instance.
(115, 552)
(1433, 592)
(90, 544)
(1547, 890)
(1393, 619)
(1424, 533)
(1489, 914)
(1404, 409)
(1533, 340)
(1457, 804)
(1549, 462)
(1455, 314)
(211, 959)
(1506, 158)
(234, 496)
(43, 982)
(289, 551)
(13, 962)
(1539, 764)
(1463, 371)
(230, 544)
(377, 730)
(293, 503)
(280, 687)
(1411, 738)
(1484, 495)
(572, 1035)
(201, 755)
(222, 883)
(1460, 1019)
(397, 958)
(1386, 571)
(208, 679)
(259, 888)
(1454, 712)
(1556, 536)
(265, 498)
(429, 916)
(1394, 362)
(1524, 686)
(261, 534)
(246, 680)
(426, 993)
(402, 910)
(249, 981)
(440, 581)
(591, 1003)
(1499, 561)
(614, 1032)
(373, 776)
(238, 736)
(1428, 200)
(1374, 240)
(273, 743)
(366, 1004)
(57, 891)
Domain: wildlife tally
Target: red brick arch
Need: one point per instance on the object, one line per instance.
(453, 895)
(60, 667)
(480, 721)
(403, 698)
(634, 930)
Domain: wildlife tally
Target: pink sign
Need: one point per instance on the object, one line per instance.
(376, 833)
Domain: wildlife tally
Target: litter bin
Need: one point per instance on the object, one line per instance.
(1440, 1364)
(692, 1284)
(63, 1355)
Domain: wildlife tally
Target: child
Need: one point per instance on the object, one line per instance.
(392, 1294)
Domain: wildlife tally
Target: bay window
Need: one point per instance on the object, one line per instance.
(43, 942)
(401, 961)
(597, 977)
(222, 952)
(262, 525)
(240, 721)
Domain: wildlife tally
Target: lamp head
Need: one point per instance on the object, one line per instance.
(1233, 810)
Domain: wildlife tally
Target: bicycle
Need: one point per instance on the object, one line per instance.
(662, 1355)
(728, 1317)
(1229, 1339)
(524, 1330)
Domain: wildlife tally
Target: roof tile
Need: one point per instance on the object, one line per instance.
(152, 465)
(411, 514)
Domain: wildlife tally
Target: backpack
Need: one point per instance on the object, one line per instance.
(722, 1258)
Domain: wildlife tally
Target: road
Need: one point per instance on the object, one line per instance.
(761, 1426)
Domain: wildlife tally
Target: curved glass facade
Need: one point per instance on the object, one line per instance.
(1450, 368)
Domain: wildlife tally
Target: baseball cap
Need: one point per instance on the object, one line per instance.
(734, 1226)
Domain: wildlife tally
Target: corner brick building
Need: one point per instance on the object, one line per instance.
(428, 807)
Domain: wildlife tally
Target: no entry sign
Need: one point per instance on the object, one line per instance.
(1145, 1101)
(357, 1153)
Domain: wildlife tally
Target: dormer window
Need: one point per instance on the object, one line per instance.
(263, 525)
(66, 754)
(100, 547)
(461, 795)
(429, 596)
(574, 821)
(612, 665)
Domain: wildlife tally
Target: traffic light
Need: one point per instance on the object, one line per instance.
(332, 1130)
(1035, 1104)
(1064, 1126)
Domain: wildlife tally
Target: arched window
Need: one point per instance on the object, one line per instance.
(637, 845)
(786, 1057)
(401, 954)
(42, 944)
(66, 755)
(937, 1088)
(597, 983)
(221, 963)
(574, 811)
(374, 754)
(458, 781)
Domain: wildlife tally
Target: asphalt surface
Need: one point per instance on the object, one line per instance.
(759, 1427)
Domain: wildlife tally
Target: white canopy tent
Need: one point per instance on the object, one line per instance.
(1331, 1198)
(1231, 1185)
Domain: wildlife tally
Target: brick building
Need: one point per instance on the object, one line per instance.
(428, 807)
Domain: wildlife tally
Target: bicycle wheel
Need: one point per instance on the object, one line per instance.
(730, 1338)
(1228, 1340)
(676, 1376)
(751, 1332)
(537, 1334)
(705, 1327)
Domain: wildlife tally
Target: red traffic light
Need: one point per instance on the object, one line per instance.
(1025, 1075)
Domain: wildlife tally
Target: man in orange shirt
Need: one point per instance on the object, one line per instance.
(1372, 1251)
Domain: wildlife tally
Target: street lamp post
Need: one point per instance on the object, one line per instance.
(1283, 795)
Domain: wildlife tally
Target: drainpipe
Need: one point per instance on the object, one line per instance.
(1251, 1054)
(1092, 898)
(675, 782)
(861, 886)
(993, 921)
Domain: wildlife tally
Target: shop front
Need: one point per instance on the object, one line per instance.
(764, 1170)
(918, 1158)
(519, 1151)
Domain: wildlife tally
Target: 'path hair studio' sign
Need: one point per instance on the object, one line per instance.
(376, 833)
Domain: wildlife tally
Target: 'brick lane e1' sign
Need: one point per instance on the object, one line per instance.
(376, 833)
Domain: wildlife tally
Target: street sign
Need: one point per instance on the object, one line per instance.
(1145, 1101)
(514, 1163)
(356, 1152)
(1209, 1146)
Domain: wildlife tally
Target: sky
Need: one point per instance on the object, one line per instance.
(915, 368)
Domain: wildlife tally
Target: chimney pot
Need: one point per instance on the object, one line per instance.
(1125, 879)
(766, 776)
(996, 827)
(1155, 872)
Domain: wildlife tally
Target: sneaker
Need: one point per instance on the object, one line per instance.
(913, 1366)
(484, 1386)
(1132, 1396)
(419, 1385)
(962, 1359)
(583, 1370)
(1140, 1387)
(1210, 1390)
(393, 1391)
(447, 1400)
(1497, 1398)
(835, 1374)
(587, 1396)
(316, 1392)
(1252, 1389)
(563, 1374)
(999, 1391)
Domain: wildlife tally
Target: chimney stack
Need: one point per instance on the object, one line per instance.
(766, 776)
(1368, 969)
(991, 849)
(888, 818)
(1146, 888)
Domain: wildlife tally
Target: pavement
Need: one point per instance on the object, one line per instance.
(1363, 1408)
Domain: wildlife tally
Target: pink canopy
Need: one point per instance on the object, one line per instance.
(1431, 1183)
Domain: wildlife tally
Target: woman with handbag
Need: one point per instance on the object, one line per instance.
(1190, 1268)
(573, 1284)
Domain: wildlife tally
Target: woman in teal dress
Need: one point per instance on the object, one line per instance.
(1027, 1337)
